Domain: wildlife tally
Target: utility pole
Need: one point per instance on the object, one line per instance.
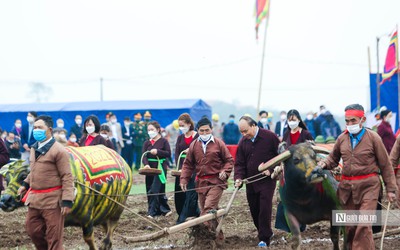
(101, 89)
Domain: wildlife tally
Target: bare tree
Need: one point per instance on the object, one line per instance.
(39, 92)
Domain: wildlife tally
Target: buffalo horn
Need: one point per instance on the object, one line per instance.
(275, 161)
(320, 150)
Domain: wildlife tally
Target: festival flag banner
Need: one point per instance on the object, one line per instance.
(392, 60)
(262, 11)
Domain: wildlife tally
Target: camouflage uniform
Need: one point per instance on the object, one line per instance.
(140, 136)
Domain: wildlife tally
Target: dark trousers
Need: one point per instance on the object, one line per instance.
(186, 203)
(46, 228)
(157, 204)
(137, 151)
(127, 154)
(260, 204)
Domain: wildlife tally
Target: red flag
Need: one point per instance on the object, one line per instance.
(392, 61)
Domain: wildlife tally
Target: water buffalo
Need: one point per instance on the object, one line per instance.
(96, 167)
(308, 195)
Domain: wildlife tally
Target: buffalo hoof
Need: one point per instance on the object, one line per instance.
(107, 245)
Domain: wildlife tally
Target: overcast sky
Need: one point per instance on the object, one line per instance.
(316, 50)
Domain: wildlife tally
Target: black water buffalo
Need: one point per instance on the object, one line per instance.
(308, 195)
(94, 168)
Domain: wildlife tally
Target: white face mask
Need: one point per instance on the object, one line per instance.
(18, 125)
(152, 134)
(354, 129)
(387, 119)
(184, 129)
(283, 117)
(105, 136)
(310, 117)
(293, 124)
(78, 121)
(163, 134)
(205, 137)
(127, 124)
(90, 129)
(30, 119)
(60, 125)
(114, 120)
(72, 139)
(62, 136)
(264, 120)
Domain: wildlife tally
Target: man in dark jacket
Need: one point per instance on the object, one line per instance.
(385, 130)
(77, 128)
(256, 147)
(231, 134)
(281, 125)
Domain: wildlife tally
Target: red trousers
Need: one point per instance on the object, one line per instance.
(46, 228)
(360, 237)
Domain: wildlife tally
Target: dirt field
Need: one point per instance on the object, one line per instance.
(238, 228)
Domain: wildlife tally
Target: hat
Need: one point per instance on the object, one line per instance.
(137, 116)
(204, 121)
(215, 117)
(319, 139)
(175, 124)
(147, 114)
(330, 139)
(270, 115)
(385, 113)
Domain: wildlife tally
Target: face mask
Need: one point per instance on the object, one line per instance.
(39, 134)
(152, 134)
(184, 129)
(113, 120)
(163, 134)
(90, 129)
(309, 117)
(18, 125)
(127, 124)
(387, 119)
(60, 125)
(354, 129)
(146, 119)
(105, 136)
(3, 137)
(30, 119)
(231, 120)
(293, 124)
(269, 119)
(72, 139)
(78, 121)
(264, 120)
(62, 136)
(283, 117)
(11, 141)
(137, 120)
(205, 137)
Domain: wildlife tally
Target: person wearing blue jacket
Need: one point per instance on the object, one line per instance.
(27, 139)
(231, 133)
(330, 127)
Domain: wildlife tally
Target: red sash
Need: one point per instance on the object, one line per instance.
(358, 177)
(39, 191)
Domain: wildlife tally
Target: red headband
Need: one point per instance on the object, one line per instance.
(353, 112)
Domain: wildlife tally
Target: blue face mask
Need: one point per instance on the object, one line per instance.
(39, 134)
(231, 120)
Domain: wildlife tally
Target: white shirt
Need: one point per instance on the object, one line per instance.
(205, 144)
(114, 131)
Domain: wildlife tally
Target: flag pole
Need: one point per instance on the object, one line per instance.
(262, 70)
(398, 81)
(378, 84)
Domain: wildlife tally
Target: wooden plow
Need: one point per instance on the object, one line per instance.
(185, 225)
